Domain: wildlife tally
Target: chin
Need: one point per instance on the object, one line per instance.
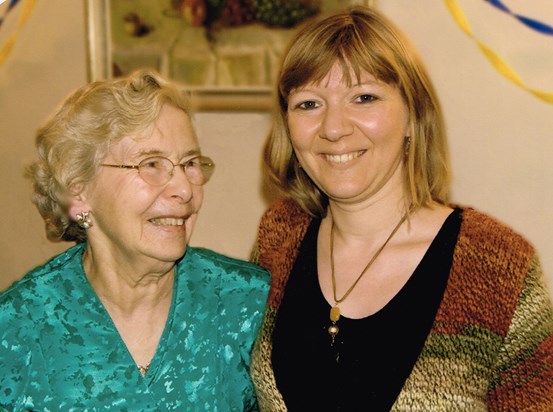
(171, 255)
(168, 249)
(345, 195)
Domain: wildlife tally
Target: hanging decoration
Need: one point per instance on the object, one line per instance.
(532, 23)
(7, 47)
(8, 9)
(497, 62)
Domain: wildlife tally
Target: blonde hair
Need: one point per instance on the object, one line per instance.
(74, 140)
(360, 39)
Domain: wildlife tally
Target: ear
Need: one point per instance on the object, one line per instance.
(410, 129)
(77, 204)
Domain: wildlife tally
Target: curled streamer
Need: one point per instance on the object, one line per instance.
(497, 62)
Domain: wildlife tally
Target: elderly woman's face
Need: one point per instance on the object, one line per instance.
(349, 138)
(134, 218)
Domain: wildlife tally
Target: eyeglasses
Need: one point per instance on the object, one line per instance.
(159, 170)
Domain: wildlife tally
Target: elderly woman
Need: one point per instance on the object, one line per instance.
(130, 318)
(384, 296)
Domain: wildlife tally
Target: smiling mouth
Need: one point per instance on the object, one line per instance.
(168, 221)
(343, 158)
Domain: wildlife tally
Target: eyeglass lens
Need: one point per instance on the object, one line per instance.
(159, 170)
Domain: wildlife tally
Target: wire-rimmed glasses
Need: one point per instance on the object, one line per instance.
(159, 170)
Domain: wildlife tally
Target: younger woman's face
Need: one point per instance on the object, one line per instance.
(350, 139)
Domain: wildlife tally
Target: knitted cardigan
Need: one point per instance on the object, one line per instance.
(491, 343)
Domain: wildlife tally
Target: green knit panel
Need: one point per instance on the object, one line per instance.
(452, 373)
(531, 325)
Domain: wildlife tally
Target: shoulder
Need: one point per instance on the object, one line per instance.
(284, 211)
(485, 234)
(284, 222)
(281, 230)
(282, 227)
(491, 263)
(26, 309)
(216, 280)
(237, 269)
(34, 286)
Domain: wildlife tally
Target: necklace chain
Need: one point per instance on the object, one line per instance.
(335, 310)
(336, 300)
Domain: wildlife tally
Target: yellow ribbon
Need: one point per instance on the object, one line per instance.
(493, 58)
(7, 47)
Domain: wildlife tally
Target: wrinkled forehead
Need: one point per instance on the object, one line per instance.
(172, 132)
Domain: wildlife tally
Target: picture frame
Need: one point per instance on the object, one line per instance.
(223, 67)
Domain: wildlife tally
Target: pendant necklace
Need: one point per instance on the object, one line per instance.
(333, 329)
(143, 369)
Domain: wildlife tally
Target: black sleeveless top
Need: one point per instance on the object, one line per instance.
(372, 357)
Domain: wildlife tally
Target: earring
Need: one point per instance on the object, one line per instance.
(83, 220)
(407, 145)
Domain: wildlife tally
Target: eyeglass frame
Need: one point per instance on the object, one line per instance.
(203, 161)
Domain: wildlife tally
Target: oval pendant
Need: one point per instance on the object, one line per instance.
(334, 313)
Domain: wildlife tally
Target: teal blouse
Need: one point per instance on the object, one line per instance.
(59, 349)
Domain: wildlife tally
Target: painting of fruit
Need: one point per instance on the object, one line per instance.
(212, 47)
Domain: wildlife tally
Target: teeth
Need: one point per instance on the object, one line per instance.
(168, 221)
(342, 158)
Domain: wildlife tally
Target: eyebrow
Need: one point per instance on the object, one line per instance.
(157, 152)
(309, 86)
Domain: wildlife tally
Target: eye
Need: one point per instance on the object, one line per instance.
(365, 98)
(156, 163)
(194, 162)
(192, 167)
(308, 105)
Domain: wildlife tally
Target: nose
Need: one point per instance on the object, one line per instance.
(336, 124)
(179, 185)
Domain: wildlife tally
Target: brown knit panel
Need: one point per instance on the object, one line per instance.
(489, 266)
(532, 388)
(281, 230)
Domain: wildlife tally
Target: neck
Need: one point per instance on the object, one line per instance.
(368, 218)
(122, 287)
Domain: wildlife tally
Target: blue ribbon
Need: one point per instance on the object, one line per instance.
(11, 6)
(532, 23)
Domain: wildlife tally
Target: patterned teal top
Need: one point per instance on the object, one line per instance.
(59, 349)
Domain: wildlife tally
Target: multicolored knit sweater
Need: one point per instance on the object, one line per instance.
(491, 344)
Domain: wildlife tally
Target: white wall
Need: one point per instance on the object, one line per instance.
(46, 63)
(500, 135)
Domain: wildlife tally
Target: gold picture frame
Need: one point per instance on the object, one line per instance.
(123, 35)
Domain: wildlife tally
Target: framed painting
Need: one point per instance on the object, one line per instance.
(226, 53)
